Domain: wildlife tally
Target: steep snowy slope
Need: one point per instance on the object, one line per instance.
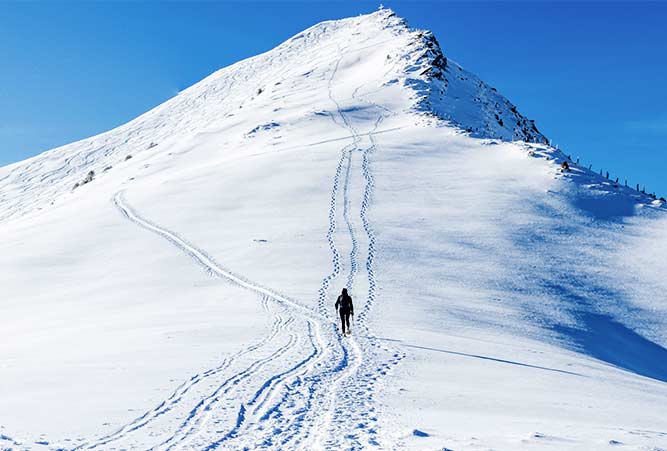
(183, 298)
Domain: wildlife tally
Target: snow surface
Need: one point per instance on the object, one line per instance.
(183, 298)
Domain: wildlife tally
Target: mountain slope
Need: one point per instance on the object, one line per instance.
(183, 298)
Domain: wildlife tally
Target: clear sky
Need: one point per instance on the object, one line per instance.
(592, 75)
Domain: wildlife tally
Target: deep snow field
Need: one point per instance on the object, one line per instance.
(183, 299)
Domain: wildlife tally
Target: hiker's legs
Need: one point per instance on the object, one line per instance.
(347, 320)
(342, 320)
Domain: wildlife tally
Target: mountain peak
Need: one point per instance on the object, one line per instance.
(376, 54)
(445, 89)
(440, 86)
(218, 229)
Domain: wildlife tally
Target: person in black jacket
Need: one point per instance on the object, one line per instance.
(345, 309)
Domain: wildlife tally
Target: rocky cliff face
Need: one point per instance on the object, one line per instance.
(450, 92)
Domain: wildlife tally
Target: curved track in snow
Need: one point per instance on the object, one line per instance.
(303, 385)
(285, 390)
(224, 404)
(351, 400)
(307, 405)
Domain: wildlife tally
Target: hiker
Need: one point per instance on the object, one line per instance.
(345, 309)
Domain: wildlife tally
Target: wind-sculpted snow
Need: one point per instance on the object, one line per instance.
(182, 298)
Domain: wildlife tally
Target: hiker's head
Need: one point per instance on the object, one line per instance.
(344, 290)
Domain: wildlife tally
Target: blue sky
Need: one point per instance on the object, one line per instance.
(592, 75)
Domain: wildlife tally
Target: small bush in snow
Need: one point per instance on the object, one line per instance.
(564, 166)
(89, 178)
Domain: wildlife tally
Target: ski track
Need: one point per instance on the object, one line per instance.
(213, 268)
(348, 354)
(295, 376)
(200, 414)
(207, 262)
(260, 398)
(310, 404)
(172, 401)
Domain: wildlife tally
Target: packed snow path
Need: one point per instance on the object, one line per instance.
(275, 401)
(325, 392)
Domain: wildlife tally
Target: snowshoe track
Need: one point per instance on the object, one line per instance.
(352, 401)
(303, 384)
(301, 397)
(261, 397)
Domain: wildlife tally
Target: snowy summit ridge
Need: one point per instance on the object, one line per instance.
(454, 94)
(414, 61)
(443, 88)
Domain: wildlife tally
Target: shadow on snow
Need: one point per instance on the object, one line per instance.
(476, 356)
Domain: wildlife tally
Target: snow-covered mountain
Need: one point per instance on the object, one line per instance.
(170, 284)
